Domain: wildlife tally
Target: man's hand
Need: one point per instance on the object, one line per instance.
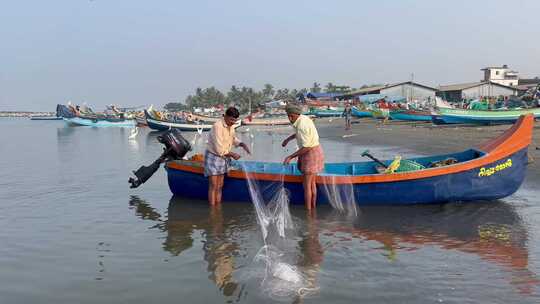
(245, 147)
(287, 160)
(233, 155)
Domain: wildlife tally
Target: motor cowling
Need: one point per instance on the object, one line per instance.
(176, 146)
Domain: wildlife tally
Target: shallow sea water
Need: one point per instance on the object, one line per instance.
(71, 231)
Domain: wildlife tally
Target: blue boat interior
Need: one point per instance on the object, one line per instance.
(349, 169)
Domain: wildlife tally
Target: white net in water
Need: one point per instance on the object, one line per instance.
(340, 196)
(282, 280)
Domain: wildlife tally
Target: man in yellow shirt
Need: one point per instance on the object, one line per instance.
(218, 153)
(310, 154)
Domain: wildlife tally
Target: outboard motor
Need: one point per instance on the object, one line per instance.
(176, 147)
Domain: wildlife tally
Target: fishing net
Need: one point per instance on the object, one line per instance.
(282, 279)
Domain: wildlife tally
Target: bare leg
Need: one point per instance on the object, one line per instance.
(313, 191)
(308, 190)
(212, 185)
(219, 189)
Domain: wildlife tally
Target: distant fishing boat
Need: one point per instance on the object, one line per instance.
(410, 115)
(161, 125)
(141, 120)
(455, 116)
(336, 112)
(42, 117)
(266, 120)
(205, 118)
(492, 171)
(100, 122)
(360, 113)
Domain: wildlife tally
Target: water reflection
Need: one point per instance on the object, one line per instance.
(311, 252)
(493, 231)
(185, 219)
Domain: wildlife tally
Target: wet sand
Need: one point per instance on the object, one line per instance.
(425, 138)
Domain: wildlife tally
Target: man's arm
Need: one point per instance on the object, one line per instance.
(296, 154)
(287, 140)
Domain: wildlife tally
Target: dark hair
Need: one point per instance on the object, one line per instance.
(232, 112)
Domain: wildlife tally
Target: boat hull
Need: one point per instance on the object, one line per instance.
(141, 121)
(468, 185)
(360, 113)
(465, 116)
(410, 116)
(100, 123)
(493, 171)
(45, 118)
(325, 114)
(165, 125)
(380, 113)
(266, 122)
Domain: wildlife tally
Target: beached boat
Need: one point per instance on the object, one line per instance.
(455, 116)
(161, 125)
(206, 119)
(360, 113)
(100, 122)
(266, 120)
(337, 112)
(492, 171)
(380, 113)
(410, 115)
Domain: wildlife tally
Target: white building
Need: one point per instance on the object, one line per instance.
(501, 75)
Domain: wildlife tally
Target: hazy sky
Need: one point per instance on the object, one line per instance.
(142, 52)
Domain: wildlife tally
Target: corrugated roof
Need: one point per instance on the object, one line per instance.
(529, 81)
(323, 95)
(460, 86)
(463, 86)
(386, 86)
(368, 89)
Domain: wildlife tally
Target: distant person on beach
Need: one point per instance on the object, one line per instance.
(218, 153)
(310, 154)
(347, 113)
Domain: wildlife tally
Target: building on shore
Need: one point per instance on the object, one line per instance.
(501, 75)
(473, 90)
(526, 84)
(409, 89)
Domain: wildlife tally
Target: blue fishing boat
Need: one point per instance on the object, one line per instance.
(100, 122)
(410, 115)
(491, 171)
(360, 113)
